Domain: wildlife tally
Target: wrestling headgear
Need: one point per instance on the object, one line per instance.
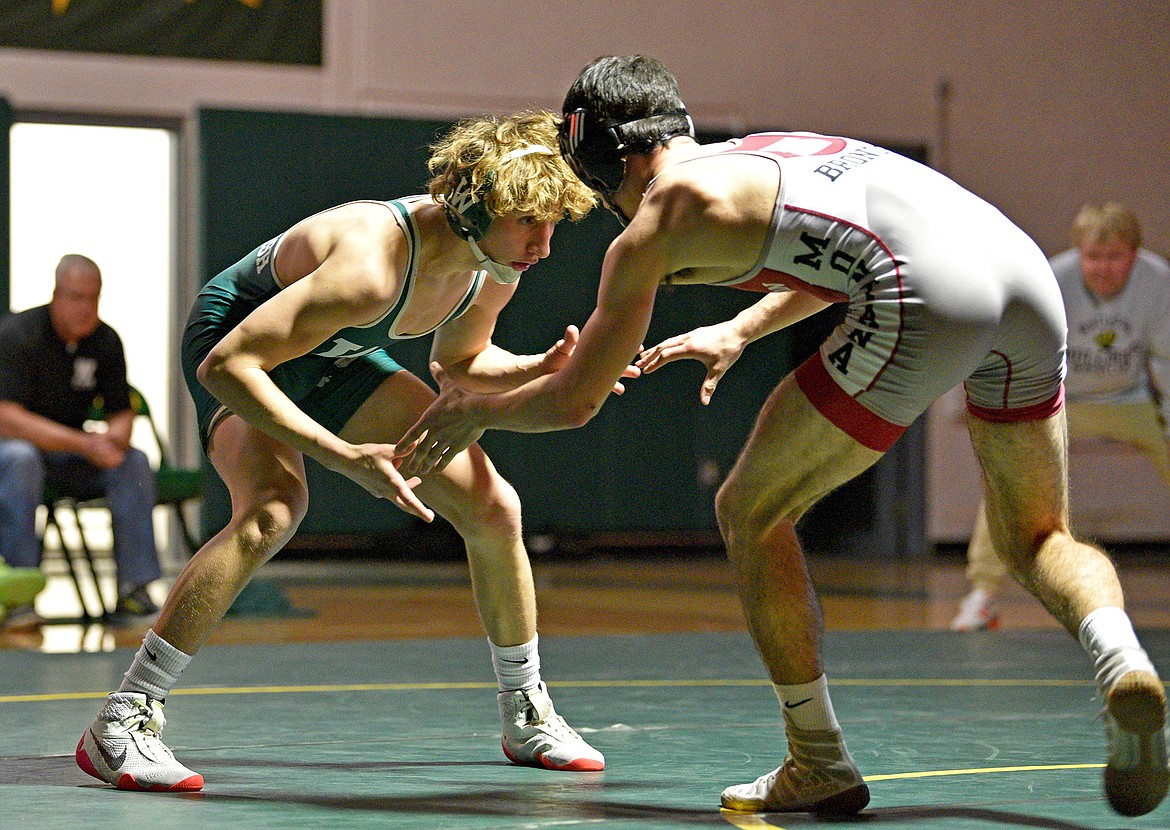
(468, 216)
(595, 147)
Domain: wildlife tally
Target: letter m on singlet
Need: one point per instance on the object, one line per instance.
(816, 249)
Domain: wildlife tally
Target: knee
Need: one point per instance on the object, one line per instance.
(727, 500)
(19, 455)
(137, 464)
(489, 510)
(133, 474)
(745, 514)
(21, 463)
(270, 522)
(746, 518)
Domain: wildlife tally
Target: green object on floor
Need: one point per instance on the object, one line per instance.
(264, 598)
(18, 586)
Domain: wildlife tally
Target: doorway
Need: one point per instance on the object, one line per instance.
(108, 192)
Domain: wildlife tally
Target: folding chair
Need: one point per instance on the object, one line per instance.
(174, 488)
(82, 560)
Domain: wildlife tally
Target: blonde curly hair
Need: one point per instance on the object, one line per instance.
(534, 184)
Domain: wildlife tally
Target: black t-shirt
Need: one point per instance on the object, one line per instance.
(39, 372)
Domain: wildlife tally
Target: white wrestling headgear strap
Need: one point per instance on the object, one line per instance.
(529, 149)
(470, 219)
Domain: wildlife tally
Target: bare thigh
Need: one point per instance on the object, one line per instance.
(256, 468)
(1025, 466)
(793, 458)
(386, 415)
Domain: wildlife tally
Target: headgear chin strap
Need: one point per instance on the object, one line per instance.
(502, 274)
(468, 216)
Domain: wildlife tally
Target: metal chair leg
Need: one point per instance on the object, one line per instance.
(73, 560)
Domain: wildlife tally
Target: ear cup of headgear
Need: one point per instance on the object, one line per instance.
(466, 212)
(593, 150)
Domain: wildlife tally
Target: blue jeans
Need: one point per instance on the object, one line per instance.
(128, 490)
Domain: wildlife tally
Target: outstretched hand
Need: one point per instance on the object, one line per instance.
(376, 468)
(443, 431)
(714, 346)
(556, 357)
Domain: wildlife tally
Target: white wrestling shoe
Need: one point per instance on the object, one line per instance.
(536, 736)
(828, 783)
(1136, 775)
(977, 612)
(122, 747)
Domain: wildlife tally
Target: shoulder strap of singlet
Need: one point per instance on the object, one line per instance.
(468, 298)
(405, 220)
(734, 146)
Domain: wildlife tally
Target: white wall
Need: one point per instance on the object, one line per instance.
(106, 193)
(1053, 102)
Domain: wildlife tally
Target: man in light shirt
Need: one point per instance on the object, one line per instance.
(1117, 298)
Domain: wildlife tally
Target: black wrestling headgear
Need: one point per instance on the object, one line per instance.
(594, 148)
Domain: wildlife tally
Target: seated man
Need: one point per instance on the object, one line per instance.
(55, 360)
(1117, 298)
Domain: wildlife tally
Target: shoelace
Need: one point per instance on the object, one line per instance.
(559, 727)
(148, 718)
(553, 723)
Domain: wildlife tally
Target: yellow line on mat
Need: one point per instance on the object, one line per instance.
(938, 773)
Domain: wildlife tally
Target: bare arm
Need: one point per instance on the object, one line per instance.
(120, 426)
(465, 350)
(704, 222)
(349, 287)
(631, 273)
(101, 449)
(720, 345)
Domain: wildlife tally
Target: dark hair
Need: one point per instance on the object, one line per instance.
(624, 88)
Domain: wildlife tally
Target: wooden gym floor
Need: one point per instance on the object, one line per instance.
(369, 702)
(592, 591)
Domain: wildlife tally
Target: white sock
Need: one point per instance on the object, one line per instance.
(1108, 636)
(156, 668)
(807, 706)
(517, 667)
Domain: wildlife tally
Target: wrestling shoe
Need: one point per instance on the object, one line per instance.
(134, 604)
(818, 776)
(123, 747)
(977, 612)
(1136, 776)
(536, 736)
